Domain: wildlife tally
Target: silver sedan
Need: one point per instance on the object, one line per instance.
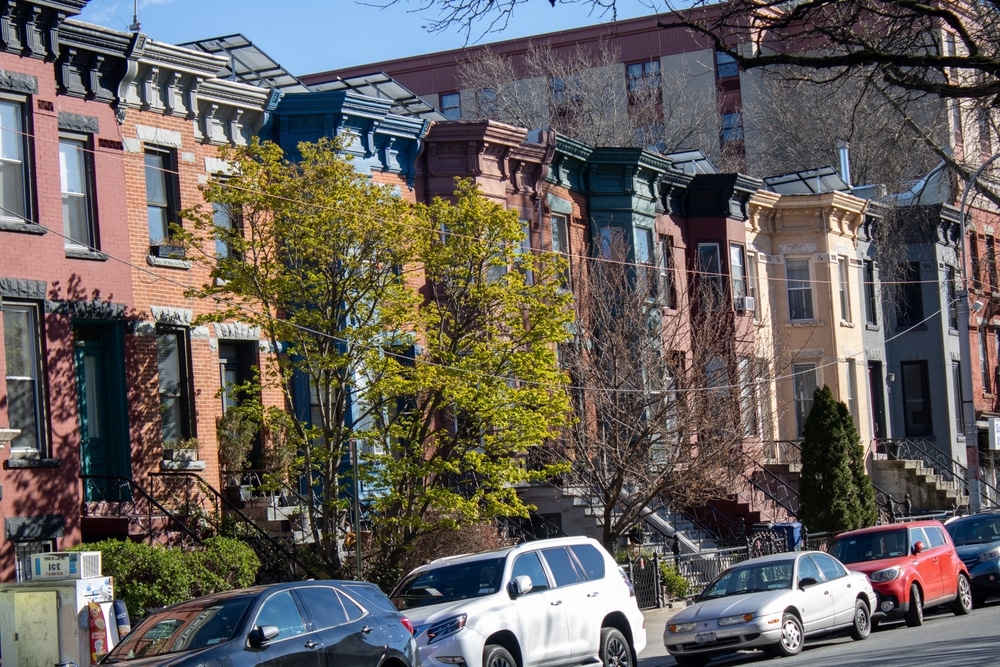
(773, 603)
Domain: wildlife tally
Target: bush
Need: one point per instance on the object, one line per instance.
(673, 582)
(148, 577)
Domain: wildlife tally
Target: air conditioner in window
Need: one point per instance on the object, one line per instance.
(745, 304)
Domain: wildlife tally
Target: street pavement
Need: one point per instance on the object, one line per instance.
(655, 654)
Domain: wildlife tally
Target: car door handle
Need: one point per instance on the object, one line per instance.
(311, 644)
(827, 592)
(556, 603)
(593, 595)
(366, 629)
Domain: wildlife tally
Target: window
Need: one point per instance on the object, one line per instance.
(710, 275)
(916, 398)
(748, 398)
(956, 380)
(23, 551)
(800, 305)
(161, 194)
(738, 272)
(910, 309)
(613, 244)
(562, 567)
(804, 380)
(13, 166)
(281, 611)
(984, 364)
(560, 243)
(451, 106)
(22, 338)
(558, 88)
(952, 297)
(228, 222)
(753, 284)
(977, 277)
(725, 66)
(486, 100)
(526, 258)
(871, 312)
(845, 289)
(645, 274)
(991, 263)
(668, 287)
(852, 396)
(643, 76)
(732, 126)
(74, 179)
(174, 366)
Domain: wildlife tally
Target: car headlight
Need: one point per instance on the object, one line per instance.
(888, 574)
(992, 554)
(681, 627)
(446, 628)
(733, 620)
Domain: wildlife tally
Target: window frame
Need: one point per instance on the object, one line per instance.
(800, 285)
(726, 66)
(913, 295)
(451, 111)
(731, 126)
(168, 171)
(642, 75)
(922, 399)
(35, 360)
(844, 285)
(19, 104)
(183, 395)
(668, 285)
(709, 271)
(801, 373)
(85, 148)
(738, 260)
(753, 282)
(559, 226)
(871, 303)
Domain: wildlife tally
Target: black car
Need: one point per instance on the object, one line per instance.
(303, 623)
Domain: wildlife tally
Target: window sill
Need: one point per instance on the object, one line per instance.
(85, 253)
(22, 463)
(168, 263)
(872, 327)
(845, 323)
(805, 323)
(22, 227)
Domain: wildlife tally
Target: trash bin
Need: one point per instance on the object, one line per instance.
(792, 530)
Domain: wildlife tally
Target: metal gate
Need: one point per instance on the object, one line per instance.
(644, 571)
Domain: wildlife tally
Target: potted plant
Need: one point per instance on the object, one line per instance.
(184, 449)
(236, 432)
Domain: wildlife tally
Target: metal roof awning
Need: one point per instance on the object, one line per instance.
(691, 162)
(382, 86)
(248, 64)
(808, 182)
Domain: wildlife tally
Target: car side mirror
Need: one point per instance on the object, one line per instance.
(520, 585)
(918, 546)
(261, 635)
(806, 582)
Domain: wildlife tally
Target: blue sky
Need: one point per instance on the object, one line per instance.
(318, 35)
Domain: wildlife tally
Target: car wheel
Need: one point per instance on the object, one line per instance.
(915, 614)
(615, 650)
(690, 660)
(497, 656)
(963, 600)
(862, 626)
(790, 642)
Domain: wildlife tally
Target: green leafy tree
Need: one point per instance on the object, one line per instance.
(835, 494)
(427, 339)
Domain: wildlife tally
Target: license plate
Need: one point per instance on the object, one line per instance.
(704, 637)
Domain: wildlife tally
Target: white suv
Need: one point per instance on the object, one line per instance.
(561, 601)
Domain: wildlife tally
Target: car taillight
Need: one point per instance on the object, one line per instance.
(407, 624)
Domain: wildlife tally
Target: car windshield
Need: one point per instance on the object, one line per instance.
(185, 627)
(771, 576)
(448, 583)
(975, 530)
(870, 546)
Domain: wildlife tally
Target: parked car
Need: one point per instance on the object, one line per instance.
(303, 623)
(912, 566)
(773, 603)
(555, 601)
(977, 542)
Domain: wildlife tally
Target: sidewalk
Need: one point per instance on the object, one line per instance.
(655, 654)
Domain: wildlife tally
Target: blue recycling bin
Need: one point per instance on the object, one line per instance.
(792, 531)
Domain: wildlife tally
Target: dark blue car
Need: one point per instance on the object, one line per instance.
(302, 623)
(977, 542)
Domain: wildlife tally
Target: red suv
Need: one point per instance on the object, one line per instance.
(911, 566)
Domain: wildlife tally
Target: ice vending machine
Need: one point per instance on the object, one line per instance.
(50, 620)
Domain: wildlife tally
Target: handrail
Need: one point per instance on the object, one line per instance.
(943, 465)
(135, 487)
(233, 509)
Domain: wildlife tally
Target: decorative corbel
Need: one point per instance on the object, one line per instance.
(192, 96)
(32, 46)
(149, 87)
(209, 123)
(171, 97)
(94, 72)
(236, 126)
